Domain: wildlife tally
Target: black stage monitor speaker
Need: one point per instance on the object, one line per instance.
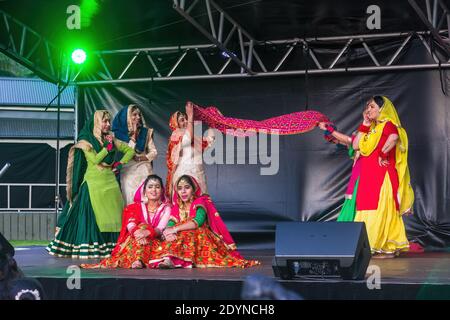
(321, 249)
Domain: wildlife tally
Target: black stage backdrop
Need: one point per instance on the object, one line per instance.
(31, 163)
(313, 174)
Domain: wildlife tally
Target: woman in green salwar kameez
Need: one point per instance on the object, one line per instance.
(90, 222)
(348, 210)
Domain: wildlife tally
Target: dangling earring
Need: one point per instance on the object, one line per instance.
(145, 199)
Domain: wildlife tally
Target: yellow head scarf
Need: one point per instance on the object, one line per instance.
(369, 142)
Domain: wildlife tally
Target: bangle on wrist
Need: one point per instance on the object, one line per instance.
(330, 128)
(383, 155)
(133, 230)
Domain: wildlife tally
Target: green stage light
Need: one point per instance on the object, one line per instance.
(79, 56)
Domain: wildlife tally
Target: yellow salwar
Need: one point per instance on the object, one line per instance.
(384, 226)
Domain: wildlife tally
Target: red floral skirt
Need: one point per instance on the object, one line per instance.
(199, 248)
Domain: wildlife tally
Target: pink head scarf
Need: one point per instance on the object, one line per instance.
(215, 222)
(139, 199)
(140, 193)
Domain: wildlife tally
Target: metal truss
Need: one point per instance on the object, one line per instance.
(32, 50)
(225, 24)
(273, 58)
(231, 52)
(435, 19)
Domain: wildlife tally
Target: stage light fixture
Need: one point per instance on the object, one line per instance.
(79, 56)
(226, 55)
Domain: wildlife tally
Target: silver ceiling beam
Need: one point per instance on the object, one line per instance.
(434, 19)
(268, 58)
(217, 17)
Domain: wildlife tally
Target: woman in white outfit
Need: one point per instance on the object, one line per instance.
(129, 127)
(185, 151)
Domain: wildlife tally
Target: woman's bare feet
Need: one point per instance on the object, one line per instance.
(137, 265)
(166, 264)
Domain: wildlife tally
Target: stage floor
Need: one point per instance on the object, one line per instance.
(412, 276)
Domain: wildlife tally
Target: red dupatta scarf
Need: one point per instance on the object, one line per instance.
(171, 151)
(173, 124)
(287, 124)
(215, 222)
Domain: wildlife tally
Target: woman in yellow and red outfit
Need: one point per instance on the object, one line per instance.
(384, 190)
